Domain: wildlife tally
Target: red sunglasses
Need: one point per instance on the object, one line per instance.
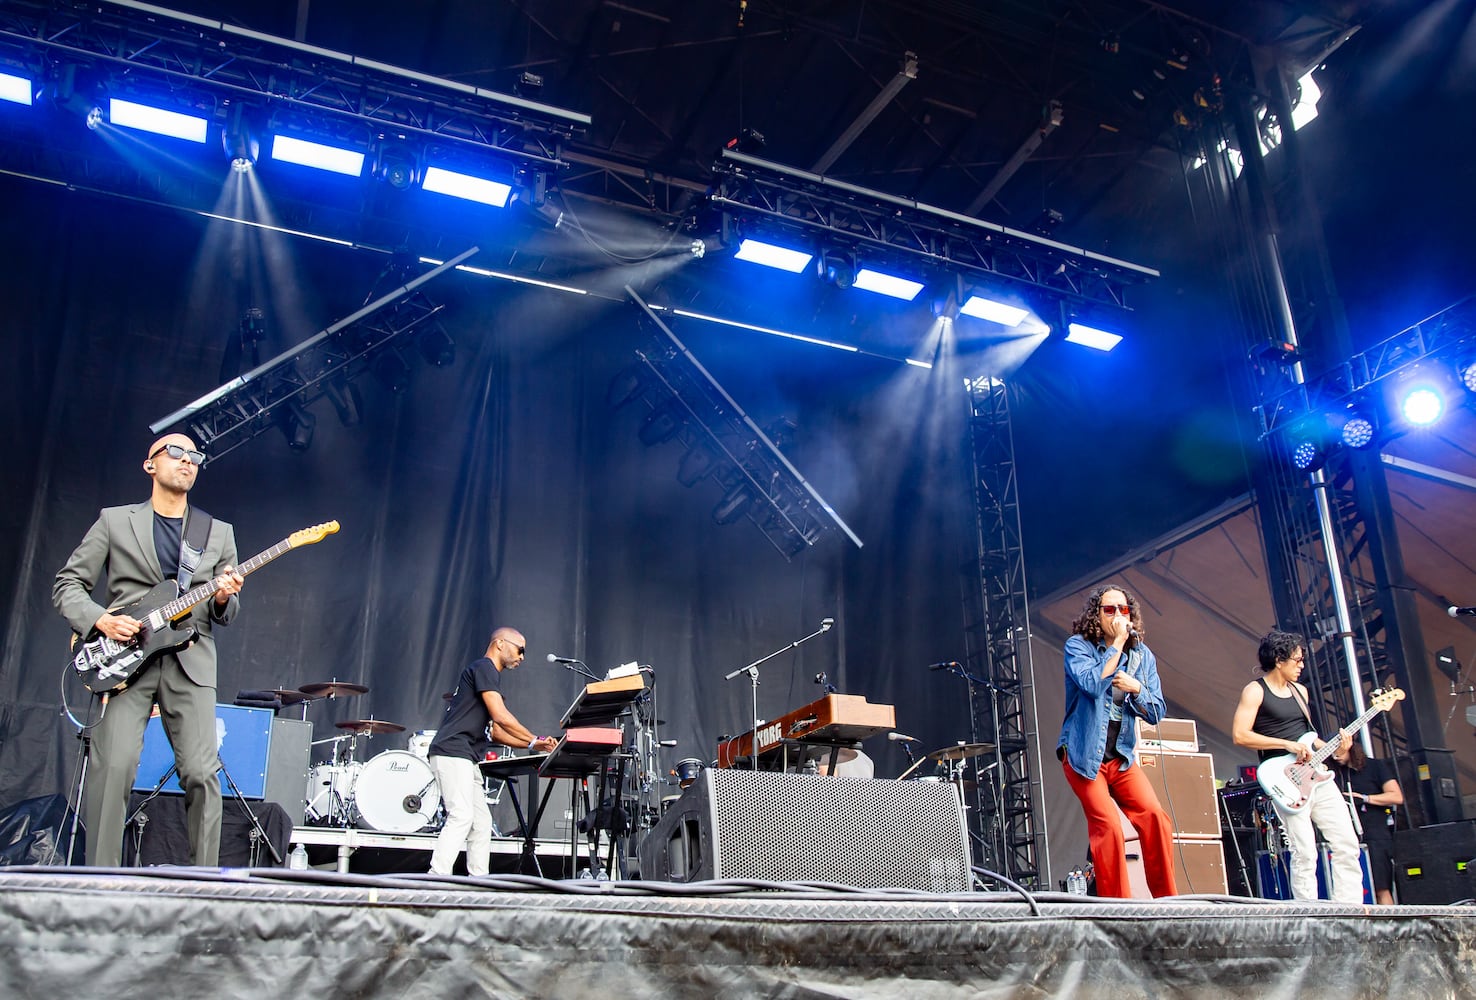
(1117, 609)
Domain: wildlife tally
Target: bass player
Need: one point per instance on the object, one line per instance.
(1272, 717)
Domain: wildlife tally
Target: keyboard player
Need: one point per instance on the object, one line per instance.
(476, 703)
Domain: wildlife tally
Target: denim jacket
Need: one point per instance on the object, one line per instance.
(1089, 703)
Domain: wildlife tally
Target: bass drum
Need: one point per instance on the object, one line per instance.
(330, 789)
(396, 793)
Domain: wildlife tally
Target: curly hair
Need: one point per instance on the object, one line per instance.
(1278, 646)
(1089, 624)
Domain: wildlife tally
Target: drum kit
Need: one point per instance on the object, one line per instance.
(392, 792)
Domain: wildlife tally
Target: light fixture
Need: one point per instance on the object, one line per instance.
(696, 465)
(887, 284)
(1090, 336)
(771, 255)
(297, 424)
(662, 423)
(239, 141)
(1307, 455)
(1466, 371)
(465, 186)
(838, 268)
(396, 166)
(734, 504)
(16, 89)
(160, 121)
(1358, 430)
(625, 386)
(307, 153)
(993, 310)
(392, 371)
(1422, 405)
(346, 400)
(436, 346)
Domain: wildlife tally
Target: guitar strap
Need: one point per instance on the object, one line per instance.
(1302, 704)
(192, 546)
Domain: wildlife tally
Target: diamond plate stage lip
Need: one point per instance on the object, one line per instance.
(737, 901)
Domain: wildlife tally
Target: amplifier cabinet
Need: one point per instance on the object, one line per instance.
(1185, 786)
(1199, 867)
(1436, 865)
(740, 824)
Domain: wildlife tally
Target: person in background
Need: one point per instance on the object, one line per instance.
(1373, 791)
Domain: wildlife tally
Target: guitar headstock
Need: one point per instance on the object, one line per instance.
(1384, 700)
(308, 536)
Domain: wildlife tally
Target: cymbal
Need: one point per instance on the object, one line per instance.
(332, 689)
(289, 696)
(961, 752)
(371, 727)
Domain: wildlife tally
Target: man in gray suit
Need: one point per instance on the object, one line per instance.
(137, 547)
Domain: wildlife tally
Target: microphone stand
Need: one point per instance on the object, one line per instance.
(753, 678)
(578, 666)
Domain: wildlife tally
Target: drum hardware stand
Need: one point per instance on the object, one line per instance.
(992, 846)
(753, 680)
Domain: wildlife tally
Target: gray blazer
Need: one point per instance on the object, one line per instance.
(120, 547)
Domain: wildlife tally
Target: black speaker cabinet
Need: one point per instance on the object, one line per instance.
(739, 824)
(1436, 865)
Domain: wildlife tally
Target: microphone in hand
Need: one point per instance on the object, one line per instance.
(1456, 612)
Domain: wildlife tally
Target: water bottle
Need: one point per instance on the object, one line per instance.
(1071, 881)
(298, 860)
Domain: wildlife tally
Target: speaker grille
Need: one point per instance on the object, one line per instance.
(806, 828)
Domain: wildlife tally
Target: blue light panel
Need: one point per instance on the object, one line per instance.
(128, 114)
(769, 255)
(315, 154)
(478, 189)
(1422, 405)
(886, 284)
(15, 88)
(995, 312)
(1091, 337)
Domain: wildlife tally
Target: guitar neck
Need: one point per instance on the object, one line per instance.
(1330, 747)
(184, 602)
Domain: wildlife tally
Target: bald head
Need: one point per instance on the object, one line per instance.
(173, 474)
(506, 647)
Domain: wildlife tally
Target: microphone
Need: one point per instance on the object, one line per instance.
(945, 665)
(826, 624)
(1455, 612)
(900, 738)
(1133, 633)
(562, 659)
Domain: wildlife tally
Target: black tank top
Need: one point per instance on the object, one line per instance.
(1279, 718)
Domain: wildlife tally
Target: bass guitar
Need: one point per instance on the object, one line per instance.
(1291, 782)
(107, 666)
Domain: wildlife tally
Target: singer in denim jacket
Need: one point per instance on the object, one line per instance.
(1111, 682)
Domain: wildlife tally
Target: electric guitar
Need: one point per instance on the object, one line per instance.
(1291, 783)
(107, 666)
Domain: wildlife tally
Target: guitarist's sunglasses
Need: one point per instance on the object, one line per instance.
(178, 452)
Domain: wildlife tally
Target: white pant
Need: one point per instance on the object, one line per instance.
(1329, 812)
(468, 820)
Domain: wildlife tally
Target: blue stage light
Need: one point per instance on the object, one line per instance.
(769, 255)
(316, 154)
(886, 284)
(994, 311)
(15, 88)
(1466, 372)
(1305, 455)
(1358, 432)
(1088, 336)
(129, 114)
(1422, 405)
(478, 189)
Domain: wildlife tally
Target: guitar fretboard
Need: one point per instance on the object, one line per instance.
(195, 595)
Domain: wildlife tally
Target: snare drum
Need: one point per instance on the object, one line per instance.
(396, 793)
(420, 742)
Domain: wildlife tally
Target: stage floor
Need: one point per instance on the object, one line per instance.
(187, 932)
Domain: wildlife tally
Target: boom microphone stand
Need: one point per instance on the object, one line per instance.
(752, 671)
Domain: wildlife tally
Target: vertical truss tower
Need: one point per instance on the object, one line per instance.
(1009, 827)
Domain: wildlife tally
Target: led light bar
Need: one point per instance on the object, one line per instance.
(316, 154)
(479, 189)
(1089, 336)
(995, 312)
(886, 284)
(16, 89)
(769, 255)
(129, 114)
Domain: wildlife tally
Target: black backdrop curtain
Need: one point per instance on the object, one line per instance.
(499, 490)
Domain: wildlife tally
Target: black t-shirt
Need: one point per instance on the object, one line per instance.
(1370, 781)
(463, 731)
(1279, 718)
(168, 535)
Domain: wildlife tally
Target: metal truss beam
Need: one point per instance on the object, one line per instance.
(781, 502)
(1441, 335)
(775, 197)
(212, 64)
(999, 668)
(251, 404)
